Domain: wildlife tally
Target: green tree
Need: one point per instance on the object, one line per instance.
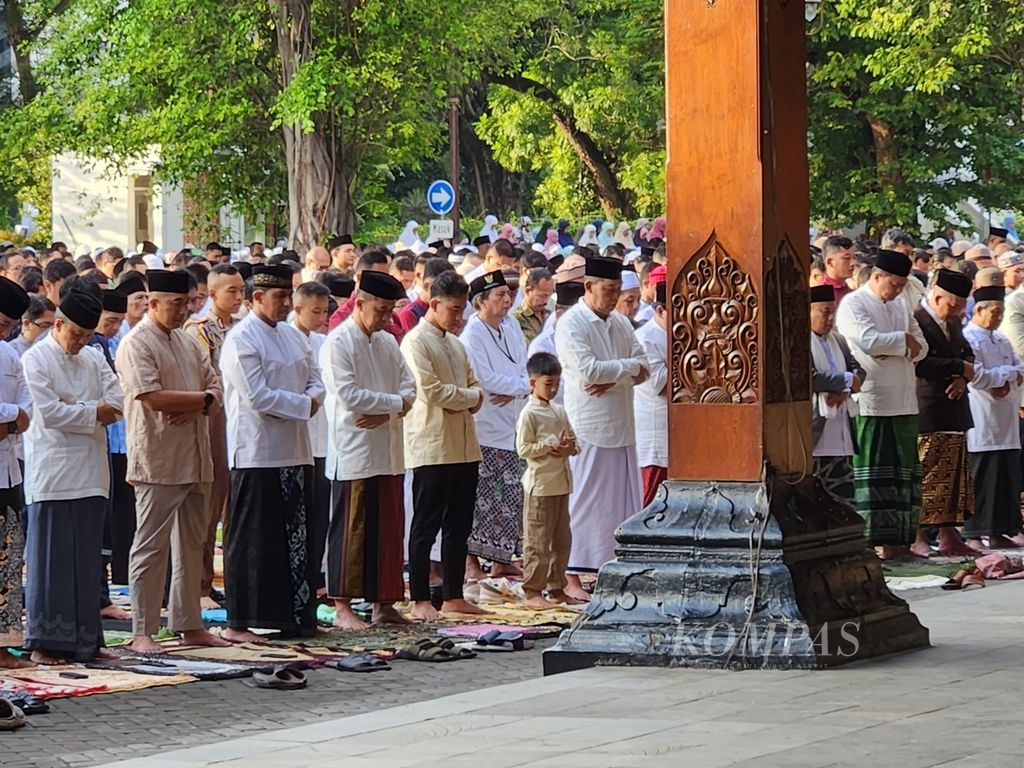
(586, 109)
(915, 105)
(313, 101)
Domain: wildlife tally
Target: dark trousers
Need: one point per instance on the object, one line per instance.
(443, 498)
(122, 526)
(319, 523)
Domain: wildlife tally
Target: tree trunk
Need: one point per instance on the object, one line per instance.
(318, 194)
(19, 35)
(614, 200)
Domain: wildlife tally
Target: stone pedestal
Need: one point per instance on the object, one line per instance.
(742, 560)
(739, 575)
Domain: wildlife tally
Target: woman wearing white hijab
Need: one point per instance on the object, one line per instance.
(605, 238)
(589, 237)
(490, 227)
(624, 236)
(410, 237)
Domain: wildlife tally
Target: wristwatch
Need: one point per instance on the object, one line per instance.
(12, 428)
(207, 402)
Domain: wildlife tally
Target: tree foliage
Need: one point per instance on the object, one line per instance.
(586, 109)
(916, 104)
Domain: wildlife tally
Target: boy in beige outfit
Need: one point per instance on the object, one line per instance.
(545, 439)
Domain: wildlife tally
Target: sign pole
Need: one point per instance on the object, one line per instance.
(453, 140)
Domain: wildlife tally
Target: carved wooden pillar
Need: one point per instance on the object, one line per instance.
(743, 559)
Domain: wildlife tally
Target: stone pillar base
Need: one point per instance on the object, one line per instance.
(739, 575)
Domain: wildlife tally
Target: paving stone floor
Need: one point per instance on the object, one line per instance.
(99, 729)
(955, 705)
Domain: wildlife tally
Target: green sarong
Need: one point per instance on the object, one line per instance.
(887, 478)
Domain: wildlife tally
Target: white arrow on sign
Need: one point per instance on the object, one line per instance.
(440, 197)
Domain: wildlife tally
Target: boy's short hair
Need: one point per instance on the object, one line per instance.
(543, 364)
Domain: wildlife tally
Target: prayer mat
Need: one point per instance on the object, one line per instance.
(512, 614)
(903, 583)
(475, 630)
(242, 653)
(201, 670)
(48, 684)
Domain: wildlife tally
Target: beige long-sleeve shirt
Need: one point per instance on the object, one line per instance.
(540, 428)
(150, 359)
(439, 429)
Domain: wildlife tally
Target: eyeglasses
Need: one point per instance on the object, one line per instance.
(41, 326)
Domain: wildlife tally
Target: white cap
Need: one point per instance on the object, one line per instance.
(629, 280)
(153, 261)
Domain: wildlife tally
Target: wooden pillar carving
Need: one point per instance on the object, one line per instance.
(738, 204)
(743, 559)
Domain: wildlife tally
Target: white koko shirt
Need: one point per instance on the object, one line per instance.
(599, 351)
(66, 445)
(364, 376)
(649, 399)
(270, 382)
(499, 359)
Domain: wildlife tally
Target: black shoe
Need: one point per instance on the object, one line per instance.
(217, 595)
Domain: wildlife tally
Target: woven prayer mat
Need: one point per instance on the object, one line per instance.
(46, 683)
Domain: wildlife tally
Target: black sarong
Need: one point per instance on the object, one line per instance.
(269, 568)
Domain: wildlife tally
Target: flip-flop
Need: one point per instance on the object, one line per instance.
(458, 651)
(502, 641)
(11, 717)
(426, 650)
(279, 678)
(359, 662)
(27, 703)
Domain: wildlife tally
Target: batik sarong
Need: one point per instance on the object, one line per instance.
(947, 493)
(498, 516)
(269, 569)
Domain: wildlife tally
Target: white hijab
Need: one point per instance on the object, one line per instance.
(409, 237)
(490, 227)
(606, 236)
(589, 236)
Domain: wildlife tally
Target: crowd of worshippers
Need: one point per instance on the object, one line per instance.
(917, 370)
(328, 421)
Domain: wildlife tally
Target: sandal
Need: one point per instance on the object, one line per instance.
(426, 650)
(11, 717)
(502, 641)
(359, 662)
(279, 678)
(458, 651)
(27, 703)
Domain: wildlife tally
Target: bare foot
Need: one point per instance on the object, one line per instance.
(146, 645)
(539, 603)
(344, 618)
(998, 541)
(473, 570)
(46, 659)
(240, 636)
(507, 570)
(891, 551)
(9, 661)
(208, 604)
(203, 638)
(1018, 539)
(388, 614)
(461, 606)
(918, 549)
(561, 597)
(978, 545)
(951, 545)
(424, 610)
(105, 653)
(115, 613)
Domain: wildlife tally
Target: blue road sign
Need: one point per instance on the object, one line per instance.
(441, 197)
